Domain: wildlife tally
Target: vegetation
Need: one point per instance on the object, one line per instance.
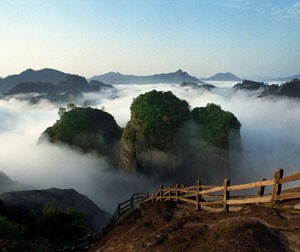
(163, 133)
(54, 224)
(158, 116)
(86, 128)
(13, 238)
(57, 224)
(215, 124)
(10, 230)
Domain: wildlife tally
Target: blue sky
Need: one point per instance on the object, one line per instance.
(251, 38)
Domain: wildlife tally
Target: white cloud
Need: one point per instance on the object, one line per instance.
(290, 12)
(269, 7)
(270, 139)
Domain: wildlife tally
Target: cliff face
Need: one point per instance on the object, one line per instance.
(164, 137)
(149, 140)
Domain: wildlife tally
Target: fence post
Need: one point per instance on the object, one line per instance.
(183, 186)
(169, 193)
(276, 187)
(90, 239)
(161, 192)
(260, 190)
(152, 199)
(176, 193)
(111, 223)
(119, 210)
(131, 202)
(75, 241)
(197, 195)
(226, 194)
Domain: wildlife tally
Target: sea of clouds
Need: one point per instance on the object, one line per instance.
(270, 140)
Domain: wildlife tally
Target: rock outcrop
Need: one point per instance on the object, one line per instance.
(203, 85)
(289, 89)
(164, 137)
(249, 85)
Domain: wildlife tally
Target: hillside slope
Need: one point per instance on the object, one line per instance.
(163, 227)
(22, 203)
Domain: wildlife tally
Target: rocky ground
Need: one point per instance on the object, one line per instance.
(171, 227)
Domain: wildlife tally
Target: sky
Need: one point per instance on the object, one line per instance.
(251, 38)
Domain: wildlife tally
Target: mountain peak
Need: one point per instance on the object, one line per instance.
(223, 77)
(29, 70)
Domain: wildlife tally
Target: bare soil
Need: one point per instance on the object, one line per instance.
(171, 227)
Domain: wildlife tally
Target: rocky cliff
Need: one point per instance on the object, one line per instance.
(164, 137)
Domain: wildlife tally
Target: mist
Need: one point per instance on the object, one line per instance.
(269, 133)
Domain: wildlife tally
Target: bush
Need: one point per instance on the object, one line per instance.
(12, 239)
(57, 224)
(10, 230)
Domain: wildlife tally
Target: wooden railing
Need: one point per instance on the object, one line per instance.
(84, 243)
(196, 195)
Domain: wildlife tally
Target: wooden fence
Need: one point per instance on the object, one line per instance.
(196, 195)
(82, 244)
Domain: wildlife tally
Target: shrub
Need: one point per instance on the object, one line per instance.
(57, 224)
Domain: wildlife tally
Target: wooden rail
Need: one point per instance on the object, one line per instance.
(84, 243)
(196, 195)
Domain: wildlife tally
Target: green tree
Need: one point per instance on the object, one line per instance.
(57, 224)
(215, 124)
(61, 111)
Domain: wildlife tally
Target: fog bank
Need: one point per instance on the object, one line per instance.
(270, 140)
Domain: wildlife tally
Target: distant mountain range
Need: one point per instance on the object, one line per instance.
(285, 79)
(68, 81)
(30, 75)
(117, 78)
(222, 77)
(48, 81)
